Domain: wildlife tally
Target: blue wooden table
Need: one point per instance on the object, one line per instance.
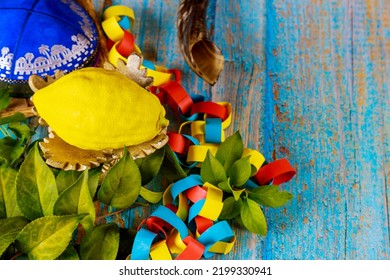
(308, 81)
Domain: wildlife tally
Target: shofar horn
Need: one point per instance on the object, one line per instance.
(201, 54)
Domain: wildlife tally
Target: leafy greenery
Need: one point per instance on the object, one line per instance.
(4, 98)
(47, 213)
(171, 169)
(36, 188)
(9, 230)
(76, 199)
(212, 171)
(230, 171)
(17, 117)
(150, 166)
(8, 207)
(51, 214)
(101, 244)
(47, 237)
(230, 150)
(122, 184)
(270, 196)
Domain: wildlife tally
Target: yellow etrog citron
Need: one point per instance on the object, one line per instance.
(96, 109)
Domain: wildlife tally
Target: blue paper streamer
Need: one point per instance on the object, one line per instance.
(220, 231)
(213, 130)
(148, 64)
(142, 244)
(125, 23)
(171, 218)
(185, 184)
(195, 142)
(195, 209)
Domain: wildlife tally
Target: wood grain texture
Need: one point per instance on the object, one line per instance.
(308, 81)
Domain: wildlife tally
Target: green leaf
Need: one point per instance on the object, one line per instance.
(17, 117)
(230, 150)
(252, 217)
(9, 229)
(93, 180)
(4, 98)
(102, 243)
(46, 238)
(225, 186)
(254, 170)
(231, 208)
(150, 196)
(21, 130)
(65, 179)
(17, 151)
(122, 183)
(76, 199)
(149, 166)
(36, 189)
(70, 254)
(7, 144)
(270, 196)
(239, 172)
(237, 193)
(212, 170)
(8, 205)
(171, 168)
(239, 221)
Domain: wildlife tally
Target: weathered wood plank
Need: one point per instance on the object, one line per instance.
(314, 55)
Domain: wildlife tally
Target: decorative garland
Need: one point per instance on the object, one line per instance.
(186, 226)
(212, 180)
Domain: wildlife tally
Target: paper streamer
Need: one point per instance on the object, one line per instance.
(195, 234)
(277, 172)
(116, 25)
(186, 226)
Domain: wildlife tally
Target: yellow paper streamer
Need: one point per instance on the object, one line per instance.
(119, 10)
(112, 29)
(175, 243)
(182, 208)
(114, 55)
(160, 251)
(256, 158)
(159, 77)
(222, 247)
(213, 204)
(198, 153)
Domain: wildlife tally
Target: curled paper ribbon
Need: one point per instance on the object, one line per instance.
(186, 226)
(255, 158)
(119, 11)
(278, 171)
(116, 25)
(190, 234)
(176, 97)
